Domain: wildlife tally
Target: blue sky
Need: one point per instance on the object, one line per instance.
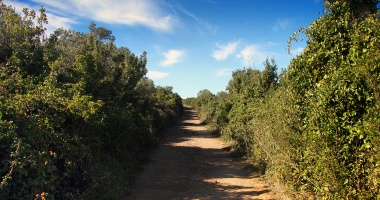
(190, 44)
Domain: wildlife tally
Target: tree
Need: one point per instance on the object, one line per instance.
(269, 76)
(204, 91)
(359, 8)
(222, 94)
(21, 41)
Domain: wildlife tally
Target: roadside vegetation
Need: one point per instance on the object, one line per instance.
(313, 129)
(76, 112)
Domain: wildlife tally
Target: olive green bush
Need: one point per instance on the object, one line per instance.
(76, 112)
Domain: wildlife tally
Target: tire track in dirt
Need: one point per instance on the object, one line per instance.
(191, 164)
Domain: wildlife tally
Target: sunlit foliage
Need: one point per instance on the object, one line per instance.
(314, 128)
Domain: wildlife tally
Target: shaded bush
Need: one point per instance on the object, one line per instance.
(76, 112)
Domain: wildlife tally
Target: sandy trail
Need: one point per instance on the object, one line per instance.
(191, 164)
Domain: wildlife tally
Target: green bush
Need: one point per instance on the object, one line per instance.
(76, 112)
(314, 131)
(334, 86)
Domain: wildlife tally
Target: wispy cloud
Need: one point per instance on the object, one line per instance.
(211, 28)
(225, 50)
(253, 54)
(223, 72)
(18, 5)
(54, 21)
(282, 23)
(146, 13)
(154, 75)
(297, 51)
(172, 56)
(157, 48)
(272, 43)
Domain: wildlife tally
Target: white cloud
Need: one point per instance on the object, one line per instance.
(54, 21)
(129, 12)
(225, 50)
(222, 72)
(205, 24)
(297, 51)
(172, 56)
(282, 23)
(253, 54)
(154, 75)
(19, 6)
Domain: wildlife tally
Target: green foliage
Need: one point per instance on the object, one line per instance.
(21, 44)
(253, 83)
(314, 129)
(230, 113)
(76, 112)
(165, 94)
(335, 92)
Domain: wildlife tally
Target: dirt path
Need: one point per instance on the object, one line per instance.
(191, 164)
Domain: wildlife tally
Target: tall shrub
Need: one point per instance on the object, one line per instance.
(335, 88)
(75, 112)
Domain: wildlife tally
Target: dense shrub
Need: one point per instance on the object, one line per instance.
(334, 85)
(76, 112)
(316, 130)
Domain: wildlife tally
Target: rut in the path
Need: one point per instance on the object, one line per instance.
(191, 164)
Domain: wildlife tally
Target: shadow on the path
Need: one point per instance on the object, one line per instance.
(186, 172)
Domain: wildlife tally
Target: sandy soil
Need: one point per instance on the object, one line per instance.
(191, 164)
